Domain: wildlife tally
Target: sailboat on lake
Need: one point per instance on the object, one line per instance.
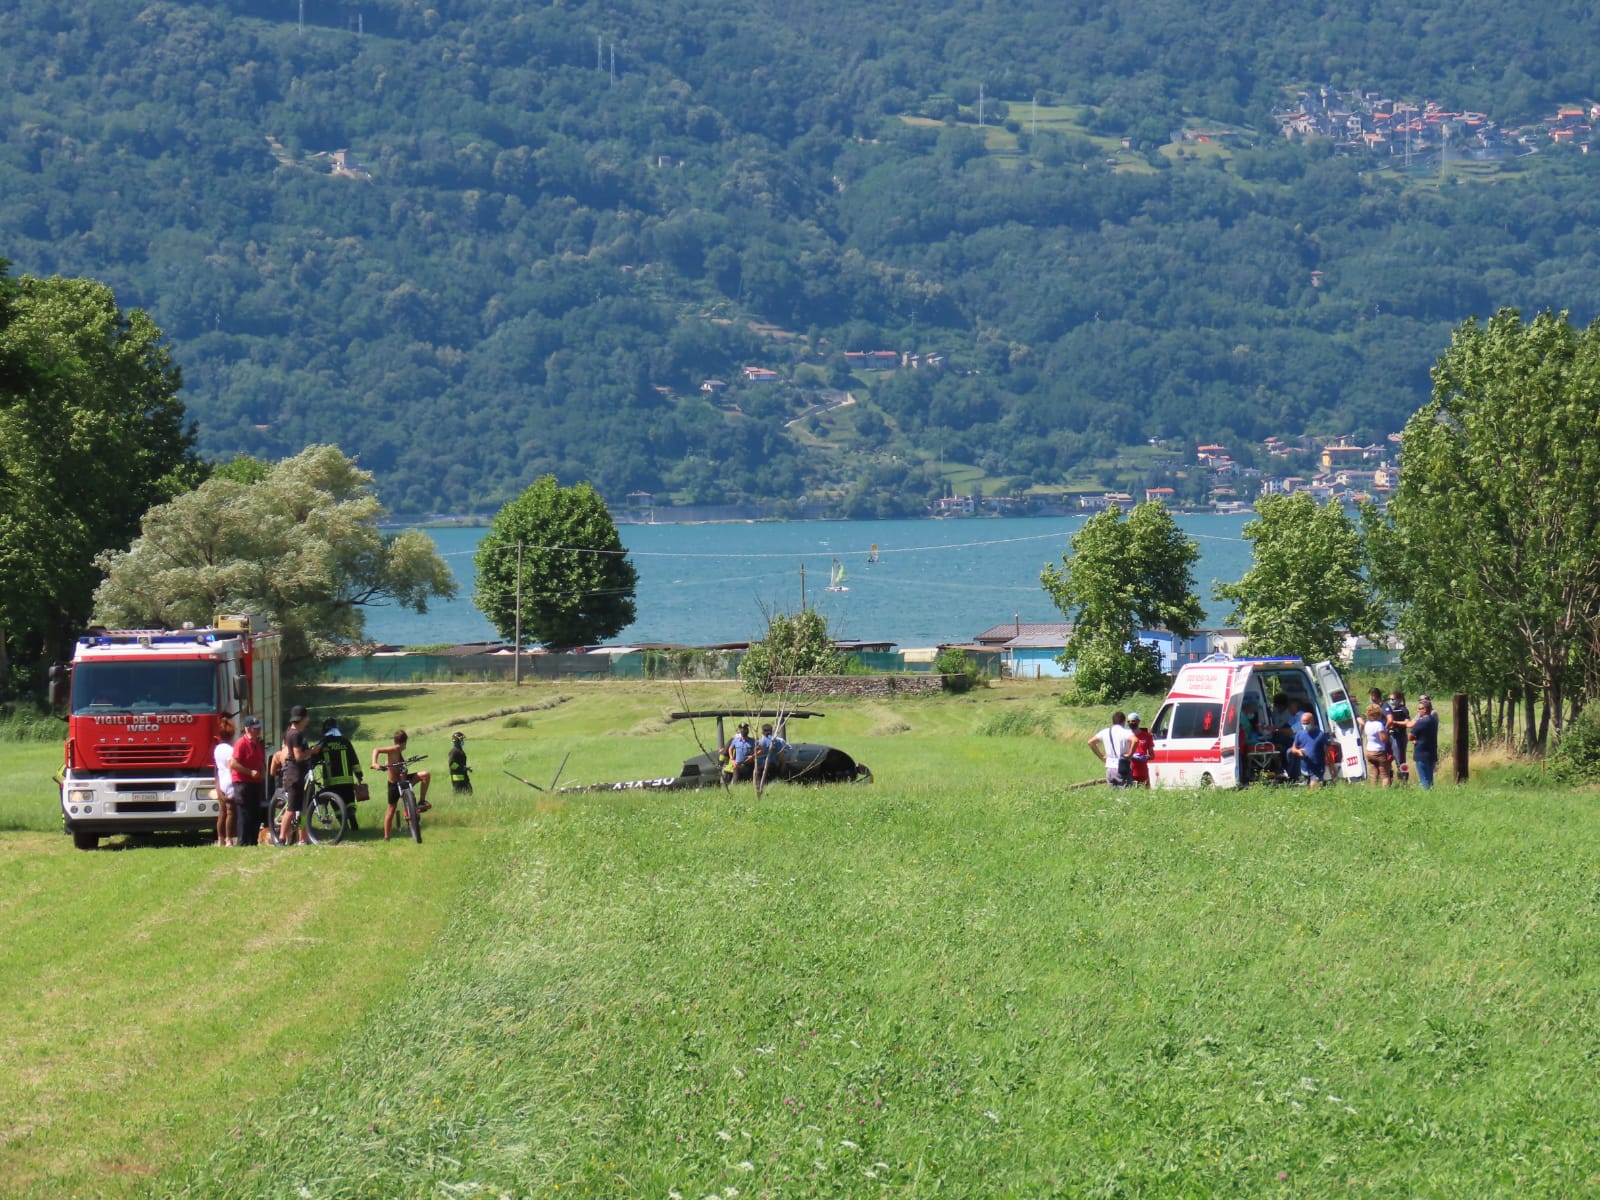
(836, 580)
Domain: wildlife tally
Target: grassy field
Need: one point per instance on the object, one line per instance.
(969, 979)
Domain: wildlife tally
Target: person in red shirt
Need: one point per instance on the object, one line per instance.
(249, 768)
(1144, 745)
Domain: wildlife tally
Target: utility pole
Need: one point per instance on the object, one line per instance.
(802, 587)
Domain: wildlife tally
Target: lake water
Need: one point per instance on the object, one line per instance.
(934, 581)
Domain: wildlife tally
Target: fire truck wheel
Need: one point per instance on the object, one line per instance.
(84, 840)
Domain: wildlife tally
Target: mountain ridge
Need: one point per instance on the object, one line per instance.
(534, 260)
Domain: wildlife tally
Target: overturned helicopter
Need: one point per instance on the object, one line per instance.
(805, 762)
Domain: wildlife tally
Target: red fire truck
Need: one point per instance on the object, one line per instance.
(145, 707)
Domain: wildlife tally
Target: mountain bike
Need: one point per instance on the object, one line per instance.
(323, 815)
(408, 798)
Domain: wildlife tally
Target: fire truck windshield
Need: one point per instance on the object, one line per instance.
(106, 688)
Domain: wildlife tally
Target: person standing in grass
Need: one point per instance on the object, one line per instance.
(1114, 745)
(770, 755)
(393, 761)
(1144, 747)
(1399, 723)
(221, 756)
(1310, 750)
(741, 754)
(294, 768)
(1424, 729)
(1375, 743)
(248, 766)
(341, 766)
(460, 773)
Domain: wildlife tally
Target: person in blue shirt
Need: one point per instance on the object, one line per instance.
(741, 754)
(1425, 739)
(771, 753)
(1310, 750)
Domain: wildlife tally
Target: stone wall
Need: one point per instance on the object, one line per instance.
(813, 687)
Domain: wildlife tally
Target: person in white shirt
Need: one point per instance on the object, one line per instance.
(1114, 745)
(1375, 741)
(222, 755)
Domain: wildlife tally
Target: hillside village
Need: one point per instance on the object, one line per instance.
(1371, 123)
(1347, 472)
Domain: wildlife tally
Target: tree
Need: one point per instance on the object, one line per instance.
(1305, 589)
(1488, 547)
(301, 548)
(91, 434)
(577, 585)
(1122, 576)
(794, 645)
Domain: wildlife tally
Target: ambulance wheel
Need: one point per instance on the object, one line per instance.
(84, 840)
(1206, 780)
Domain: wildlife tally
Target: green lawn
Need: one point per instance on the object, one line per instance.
(967, 979)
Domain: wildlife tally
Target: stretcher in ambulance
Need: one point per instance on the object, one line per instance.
(1216, 727)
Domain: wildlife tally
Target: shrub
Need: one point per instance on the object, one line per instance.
(957, 671)
(1576, 758)
(797, 645)
(25, 723)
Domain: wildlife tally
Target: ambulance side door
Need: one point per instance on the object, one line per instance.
(1164, 772)
(1341, 719)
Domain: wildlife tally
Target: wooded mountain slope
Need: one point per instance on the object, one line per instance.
(553, 224)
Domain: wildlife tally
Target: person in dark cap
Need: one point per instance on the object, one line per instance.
(1399, 718)
(771, 753)
(296, 762)
(741, 754)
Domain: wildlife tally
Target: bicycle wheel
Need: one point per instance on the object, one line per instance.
(326, 818)
(408, 801)
(275, 817)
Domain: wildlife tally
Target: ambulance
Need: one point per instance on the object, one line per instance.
(1214, 727)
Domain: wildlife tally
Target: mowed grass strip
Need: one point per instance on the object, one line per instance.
(152, 994)
(978, 983)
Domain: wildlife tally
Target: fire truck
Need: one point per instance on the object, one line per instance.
(144, 711)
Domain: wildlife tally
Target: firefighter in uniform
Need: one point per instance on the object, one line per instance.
(341, 766)
(460, 774)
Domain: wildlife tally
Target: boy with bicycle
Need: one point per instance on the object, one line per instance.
(394, 763)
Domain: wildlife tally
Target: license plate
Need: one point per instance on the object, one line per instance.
(142, 797)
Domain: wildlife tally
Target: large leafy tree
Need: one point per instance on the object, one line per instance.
(299, 545)
(1489, 546)
(1120, 576)
(576, 584)
(1306, 588)
(92, 433)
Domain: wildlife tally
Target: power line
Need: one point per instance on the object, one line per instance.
(789, 556)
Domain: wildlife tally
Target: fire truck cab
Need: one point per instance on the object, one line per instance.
(144, 712)
(1213, 727)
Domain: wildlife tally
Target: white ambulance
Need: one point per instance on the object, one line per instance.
(1213, 729)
